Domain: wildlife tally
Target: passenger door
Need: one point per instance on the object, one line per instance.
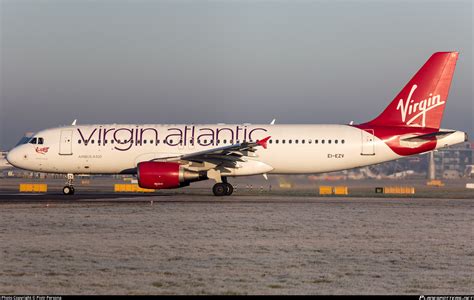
(65, 143)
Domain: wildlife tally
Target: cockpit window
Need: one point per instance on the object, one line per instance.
(37, 141)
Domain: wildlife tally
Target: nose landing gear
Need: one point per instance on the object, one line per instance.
(69, 188)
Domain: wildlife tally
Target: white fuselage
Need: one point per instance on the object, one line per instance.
(118, 148)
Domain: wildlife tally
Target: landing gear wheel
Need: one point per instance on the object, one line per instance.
(229, 189)
(219, 189)
(68, 190)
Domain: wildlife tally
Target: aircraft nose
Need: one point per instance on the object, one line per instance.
(14, 157)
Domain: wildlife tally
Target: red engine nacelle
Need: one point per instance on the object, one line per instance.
(164, 175)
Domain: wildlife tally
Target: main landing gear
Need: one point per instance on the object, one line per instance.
(223, 188)
(69, 188)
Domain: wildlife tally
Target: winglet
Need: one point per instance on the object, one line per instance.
(263, 142)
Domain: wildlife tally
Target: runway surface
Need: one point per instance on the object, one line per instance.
(15, 197)
(179, 244)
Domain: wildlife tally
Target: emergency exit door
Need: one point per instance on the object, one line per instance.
(368, 142)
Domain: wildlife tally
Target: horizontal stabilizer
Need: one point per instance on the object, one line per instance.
(428, 137)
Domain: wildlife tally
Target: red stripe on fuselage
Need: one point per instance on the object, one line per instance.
(391, 136)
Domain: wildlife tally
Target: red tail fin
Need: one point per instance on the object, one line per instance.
(421, 102)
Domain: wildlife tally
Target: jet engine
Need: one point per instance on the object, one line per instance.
(165, 175)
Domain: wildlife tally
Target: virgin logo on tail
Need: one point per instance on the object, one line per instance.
(414, 109)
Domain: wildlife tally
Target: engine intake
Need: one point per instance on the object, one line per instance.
(165, 175)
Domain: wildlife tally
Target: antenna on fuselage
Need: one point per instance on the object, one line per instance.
(273, 122)
(74, 122)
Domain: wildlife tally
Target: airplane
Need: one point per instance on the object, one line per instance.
(173, 156)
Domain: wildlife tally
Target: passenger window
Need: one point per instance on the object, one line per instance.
(335, 141)
(144, 141)
(316, 141)
(302, 141)
(310, 141)
(33, 141)
(151, 142)
(289, 141)
(329, 141)
(270, 141)
(225, 141)
(78, 141)
(92, 142)
(276, 141)
(296, 141)
(282, 141)
(322, 141)
(342, 141)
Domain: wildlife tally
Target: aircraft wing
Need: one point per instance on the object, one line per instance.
(221, 155)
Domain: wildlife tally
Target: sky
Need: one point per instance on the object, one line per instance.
(140, 61)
